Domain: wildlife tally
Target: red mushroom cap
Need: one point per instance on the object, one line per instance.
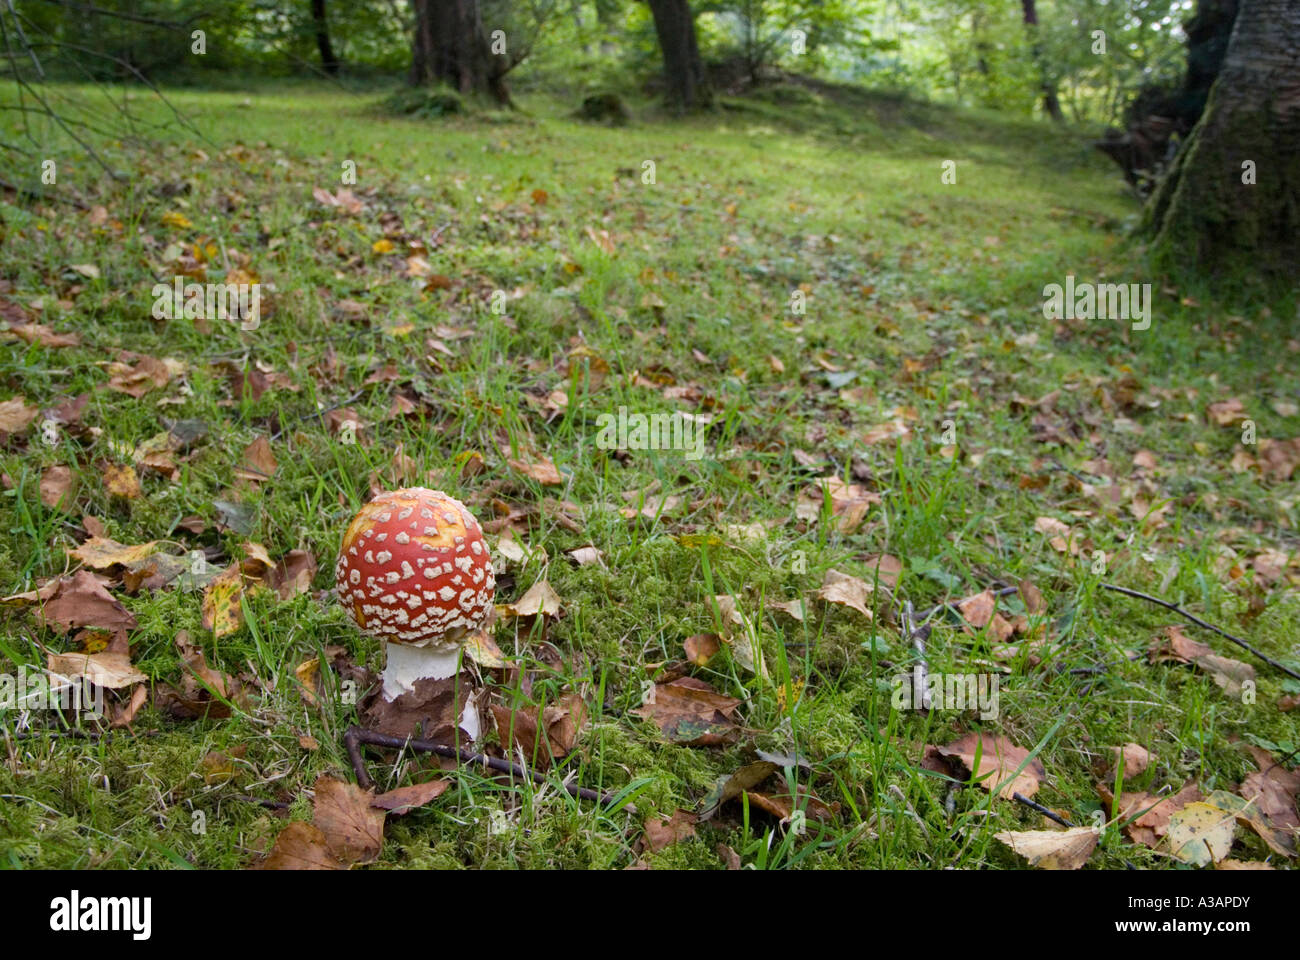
(414, 568)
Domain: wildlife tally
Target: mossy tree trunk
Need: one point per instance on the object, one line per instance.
(451, 46)
(1206, 216)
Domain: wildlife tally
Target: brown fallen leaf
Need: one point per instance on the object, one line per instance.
(702, 647)
(585, 555)
(783, 806)
(111, 670)
(1053, 849)
(16, 416)
(1136, 759)
(1150, 827)
(980, 611)
(405, 799)
(999, 760)
(39, 333)
(292, 574)
(1247, 812)
(258, 462)
(539, 599)
(731, 787)
(540, 469)
(353, 829)
(1226, 412)
(82, 601)
(561, 720)
(1273, 789)
(58, 488)
(124, 713)
(1231, 675)
(301, 846)
(663, 831)
(136, 374)
(203, 692)
(690, 712)
(847, 591)
(887, 568)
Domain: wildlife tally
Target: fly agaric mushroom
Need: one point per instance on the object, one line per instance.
(414, 571)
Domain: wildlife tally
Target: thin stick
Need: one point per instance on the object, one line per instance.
(355, 736)
(918, 636)
(1206, 624)
(1041, 809)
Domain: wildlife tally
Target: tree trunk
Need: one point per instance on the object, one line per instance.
(449, 46)
(1051, 103)
(1206, 216)
(688, 87)
(327, 59)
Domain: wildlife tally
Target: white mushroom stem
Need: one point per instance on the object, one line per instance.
(408, 663)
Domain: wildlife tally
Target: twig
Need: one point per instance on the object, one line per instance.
(355, 736)
(1050, 815)
(1206, 624)
(918, 636)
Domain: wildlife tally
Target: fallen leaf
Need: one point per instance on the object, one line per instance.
(562, 722)
(691, 712)
(301, 846)
(1152, 824)
(111, 670)
(702, 647)
(662, 831)
(999, 760)
(1201, 833)
(540, 469)
(353, 829)
(405, 799)
(58, 488)
(847, 591)
(102, 553)
(16, 416)
(539, 599)
(258, 462)
(120, 480)
(222, 612)
(1136, 759)
(1053, 849)
(82, 601)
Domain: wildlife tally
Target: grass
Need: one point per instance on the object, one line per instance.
(923, 303)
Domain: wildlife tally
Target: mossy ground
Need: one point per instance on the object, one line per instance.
(929, 293)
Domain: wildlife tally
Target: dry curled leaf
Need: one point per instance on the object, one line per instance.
(1053, 849)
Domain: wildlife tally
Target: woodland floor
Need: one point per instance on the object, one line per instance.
(827, 448)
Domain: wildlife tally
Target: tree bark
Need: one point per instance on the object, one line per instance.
(1051, 103)
(329, 63)
(688, 87)
(1203, 217)
(449, 46)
